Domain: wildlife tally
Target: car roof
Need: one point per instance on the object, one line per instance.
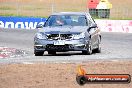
(71, 13)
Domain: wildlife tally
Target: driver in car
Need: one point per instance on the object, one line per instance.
(59, 21)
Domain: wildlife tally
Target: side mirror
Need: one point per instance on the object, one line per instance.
(39, 26)
(93, 26)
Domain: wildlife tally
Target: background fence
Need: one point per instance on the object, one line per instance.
(42, 8)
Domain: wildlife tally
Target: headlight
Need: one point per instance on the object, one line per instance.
(40, 36)
(79, 36)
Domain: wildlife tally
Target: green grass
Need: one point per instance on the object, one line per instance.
(8, 14)
(6, 8)
(14, 15)
(120, 18)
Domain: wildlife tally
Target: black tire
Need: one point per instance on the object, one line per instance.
(98, 50)
(89, 49)
(39, 53)
(52, 52)
(81, 80)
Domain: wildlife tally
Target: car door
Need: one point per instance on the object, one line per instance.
(91, 31)
(96, 34)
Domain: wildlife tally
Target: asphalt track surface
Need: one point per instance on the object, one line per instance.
(115, 46)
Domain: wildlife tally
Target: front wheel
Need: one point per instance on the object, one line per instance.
(38, 53)
(89, 49)
(52, 52)
(98, 49)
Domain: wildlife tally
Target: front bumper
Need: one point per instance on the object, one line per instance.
(68, 45)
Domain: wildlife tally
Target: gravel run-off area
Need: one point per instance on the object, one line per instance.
(60, 75)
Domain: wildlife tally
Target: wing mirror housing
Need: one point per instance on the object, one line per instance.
(93, 26)
(39, 26)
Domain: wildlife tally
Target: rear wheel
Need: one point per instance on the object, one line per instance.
(52, 52)
(38, 53)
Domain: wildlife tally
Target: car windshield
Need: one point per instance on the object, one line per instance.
(66, 20)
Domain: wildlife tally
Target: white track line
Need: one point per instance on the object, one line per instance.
(27, 63)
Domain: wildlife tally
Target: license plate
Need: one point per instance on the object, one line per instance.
(59, 42)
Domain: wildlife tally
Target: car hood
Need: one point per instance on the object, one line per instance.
(62, 29)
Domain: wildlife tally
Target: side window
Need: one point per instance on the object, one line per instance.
(89, 23)
(91, 20)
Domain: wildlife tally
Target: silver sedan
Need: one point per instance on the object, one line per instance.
(67, 31)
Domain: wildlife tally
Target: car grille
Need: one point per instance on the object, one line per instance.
(57, 47)
(59, 36)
